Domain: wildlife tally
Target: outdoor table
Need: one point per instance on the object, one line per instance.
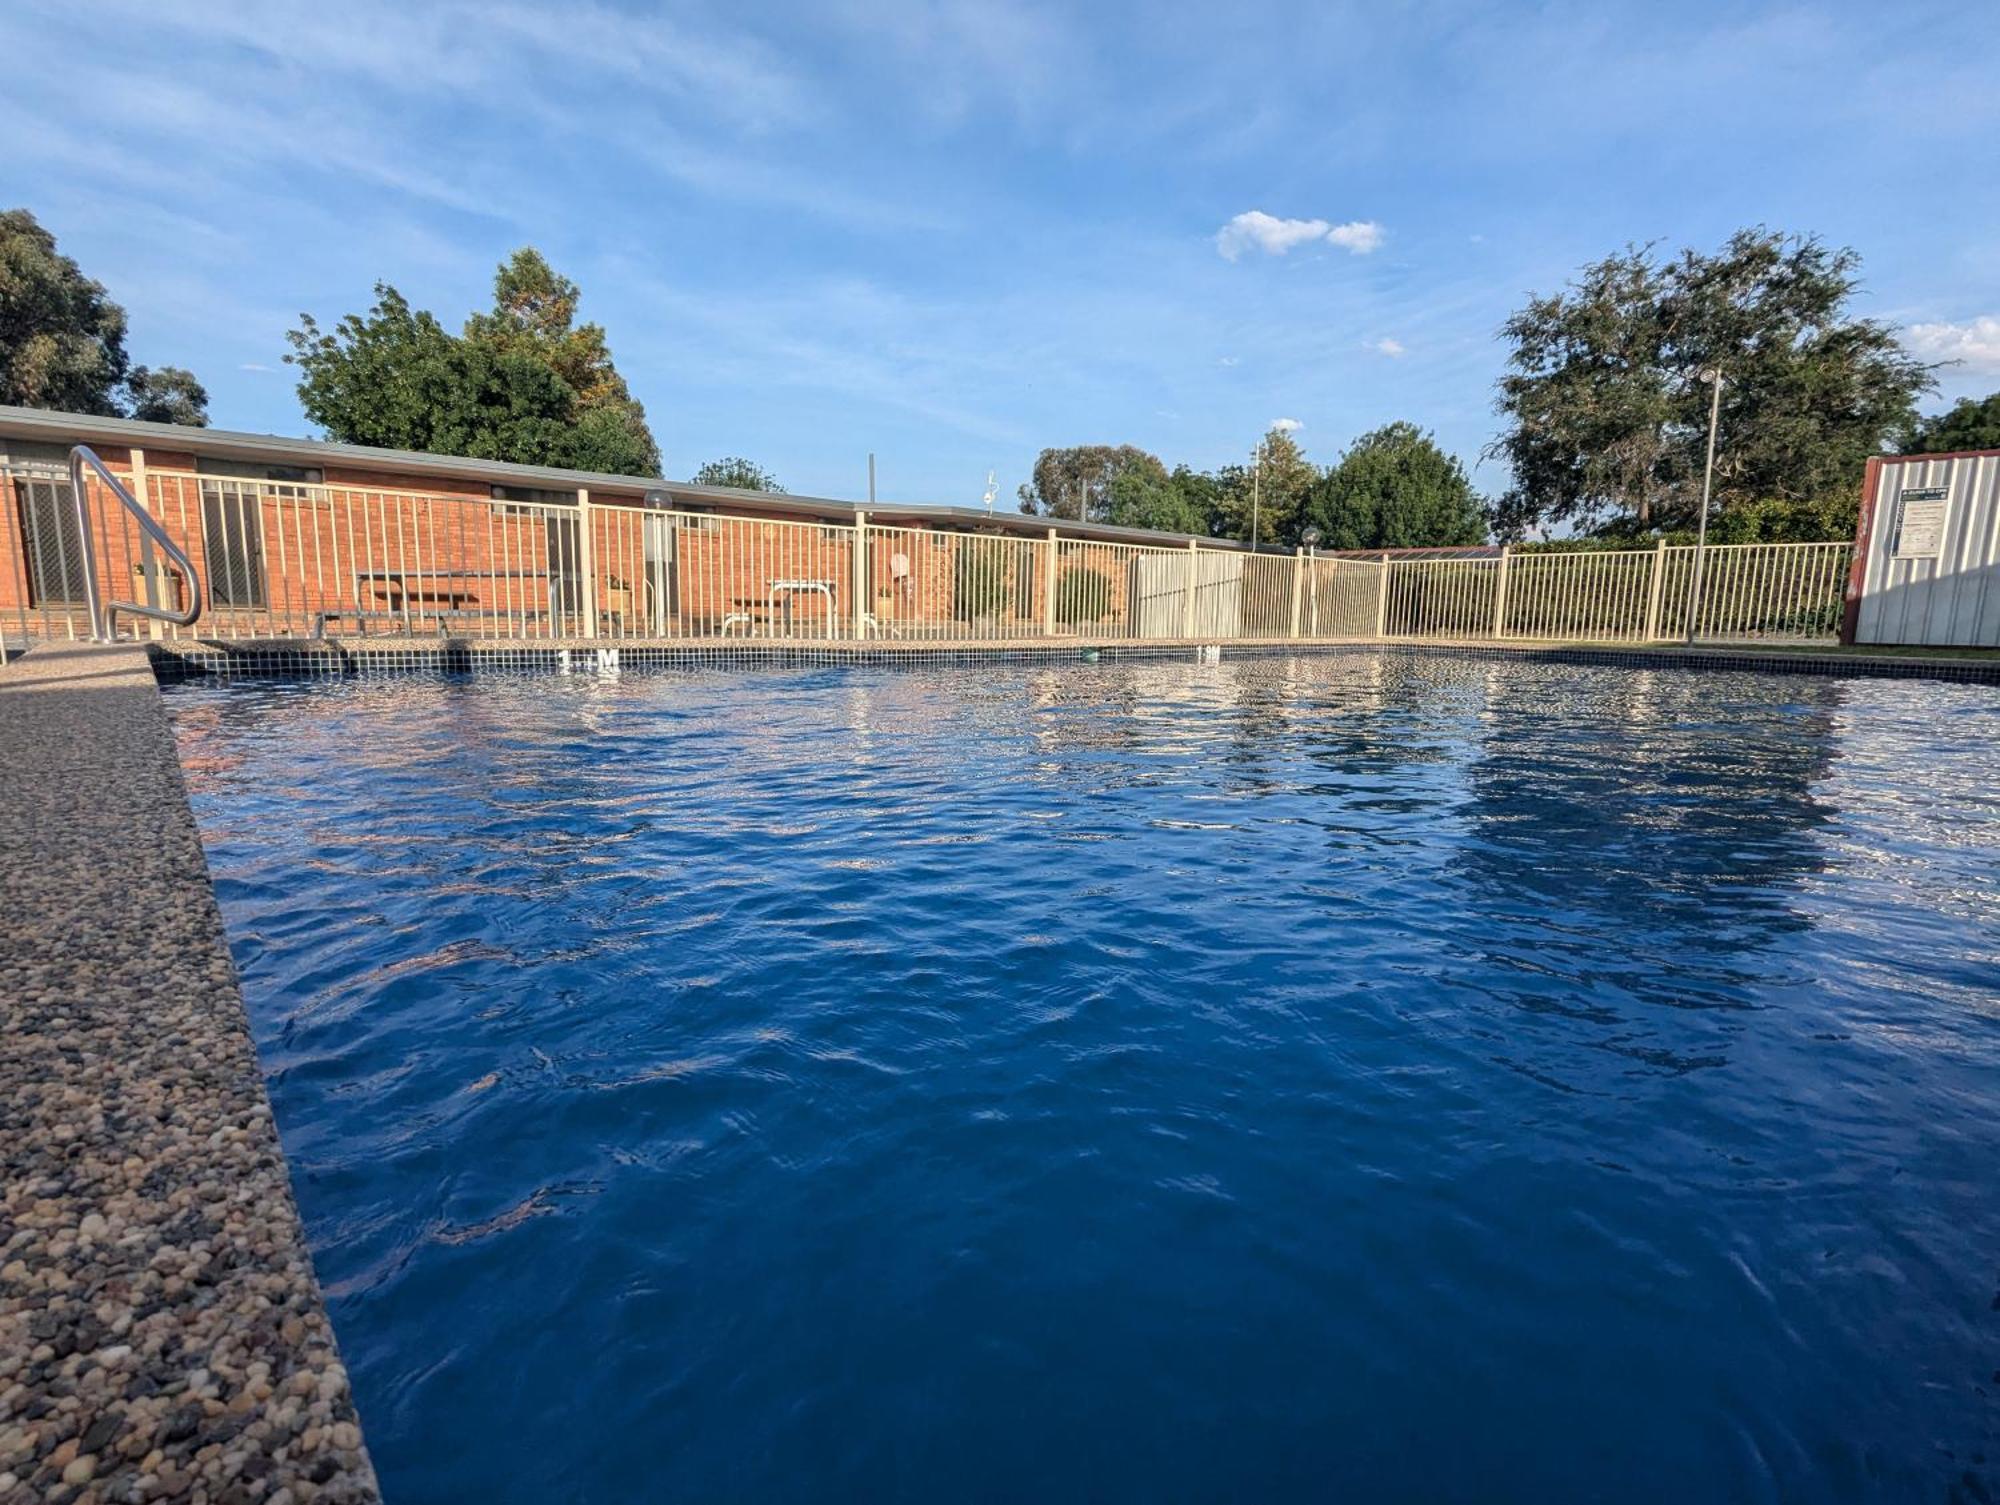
(790, 588)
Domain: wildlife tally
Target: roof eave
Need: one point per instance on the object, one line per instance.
(45, 425)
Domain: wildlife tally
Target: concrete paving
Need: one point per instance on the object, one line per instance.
(162, 1335)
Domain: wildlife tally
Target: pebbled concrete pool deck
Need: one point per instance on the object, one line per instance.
(162, 1335)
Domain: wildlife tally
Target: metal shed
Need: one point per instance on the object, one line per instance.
(1927, 552)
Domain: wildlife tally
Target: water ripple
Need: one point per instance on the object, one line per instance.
(1370, 1076)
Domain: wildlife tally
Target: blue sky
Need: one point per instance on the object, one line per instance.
(955, 232)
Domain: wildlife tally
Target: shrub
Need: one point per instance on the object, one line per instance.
(1082, 594)
(980, 589)
(1772, 520)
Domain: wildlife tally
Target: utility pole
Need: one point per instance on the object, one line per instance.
(1713, 376)
(1256, 489)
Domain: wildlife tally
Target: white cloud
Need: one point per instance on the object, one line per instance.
(1975, 345)
(1254, 230)
(255, 366)
(1230, 360)
(1286, 425)
(1388, 345)
(1359, 236)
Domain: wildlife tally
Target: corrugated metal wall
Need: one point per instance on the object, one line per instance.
(1931, 573)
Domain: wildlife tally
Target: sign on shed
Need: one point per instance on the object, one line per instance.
(1920, 519)
(1927, 566)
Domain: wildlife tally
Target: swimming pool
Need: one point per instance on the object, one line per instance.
(1364, 1075)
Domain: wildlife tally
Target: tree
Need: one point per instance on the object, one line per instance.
(1077, 482)
(733, 470)
(519, 385)
(1177, 503)
(62, 339)
(168, 395)
(1607, 413)
(1200, 496)
(1972, 423)
(1267, 498)
(534, 314)
(1395, 489)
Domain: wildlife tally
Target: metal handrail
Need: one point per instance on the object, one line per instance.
(102, 627)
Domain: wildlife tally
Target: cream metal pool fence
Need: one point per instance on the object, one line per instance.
(283, 559)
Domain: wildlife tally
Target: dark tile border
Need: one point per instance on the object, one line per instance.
(175, 661)
(1711, 660)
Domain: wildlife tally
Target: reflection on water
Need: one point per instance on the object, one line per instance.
(1355, 1075)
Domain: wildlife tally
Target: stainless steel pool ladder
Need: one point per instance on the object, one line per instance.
(103, 627)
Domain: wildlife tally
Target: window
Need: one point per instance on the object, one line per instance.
(565, 543)
(34, 454)
(233, 493)
(562, 544)
(244, 470)
(534, 495)
(232, 541)
(51, 544)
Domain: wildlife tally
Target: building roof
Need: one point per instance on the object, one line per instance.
(42, 425)
(1453, 551)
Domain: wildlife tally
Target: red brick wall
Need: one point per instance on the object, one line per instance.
(382, 541)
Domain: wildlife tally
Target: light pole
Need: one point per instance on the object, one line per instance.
(1256, 489)
(1310, 538)
(1713, 376)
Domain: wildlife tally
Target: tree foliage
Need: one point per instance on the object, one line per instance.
(1267, 497)
(534, 314)
(1607, 414)
(1766, 520)
(168, 394)
(1081, 481)
(521, 384)
(1395, 489)
(1971, 423)
(62, 339)
(1183, 502)
(1123, 485)
(734, 470)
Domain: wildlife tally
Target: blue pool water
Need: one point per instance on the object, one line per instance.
(1360, 1077)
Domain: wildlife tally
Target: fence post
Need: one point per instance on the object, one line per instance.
(586, 551)
(1049, 599)
(860, 574)
(149, 572)
(1500, 593)
(1298, 588)
(1382, 599)
(86, 544)
(1653, 591)
(1187, 590)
